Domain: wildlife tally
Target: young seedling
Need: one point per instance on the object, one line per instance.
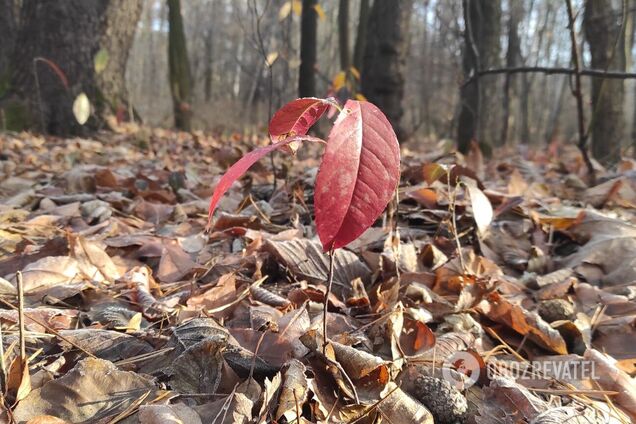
(358, 173)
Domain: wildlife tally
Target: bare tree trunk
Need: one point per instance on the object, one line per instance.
(343, 34)
(385, 57)
(477, 117)
(513, 58)
(209, 55)
(308, 50)
(8, 32)
(59, 41)
(180, 78)
(605, 35)
(361, 36)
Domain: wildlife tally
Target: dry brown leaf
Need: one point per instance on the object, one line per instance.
(306, 260)
(46, 419)
(506, 402)
(110, 345)
(167, 414)
(357, 363)
(95, 389)
(499, 309)
(92, 259)
(60, 276)
(398, 407)
(198, 369)
(175, 264)
(293, 392)
(610, 377)
(609, 253)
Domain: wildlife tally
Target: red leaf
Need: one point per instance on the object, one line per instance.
(242, 165)
(296, 117)
(358, 175)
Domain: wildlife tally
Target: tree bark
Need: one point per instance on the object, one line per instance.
(59, 41)
(606, 38)
(343, 34)
(385, 56)
(477, 119)
(308, 49)
(361, 36)
(180, 77)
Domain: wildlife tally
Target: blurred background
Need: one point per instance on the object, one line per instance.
(228, 64)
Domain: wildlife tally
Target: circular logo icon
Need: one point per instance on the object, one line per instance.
(461, 370)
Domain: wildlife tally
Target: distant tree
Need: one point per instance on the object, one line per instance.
(180, 77)
(72, 46)
(7, 35)
(361, 36)
(605, 35)
(343, 34)
(513, 59)
(477, 118)
(385, 58)
(308, 49)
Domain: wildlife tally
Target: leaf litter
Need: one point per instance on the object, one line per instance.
(133, 313)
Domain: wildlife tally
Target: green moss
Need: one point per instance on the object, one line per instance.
(17, 116)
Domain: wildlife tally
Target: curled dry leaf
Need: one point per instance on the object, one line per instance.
(526, 323)
(357, 363)
(358, 174)
(293, 393)
(398, 407)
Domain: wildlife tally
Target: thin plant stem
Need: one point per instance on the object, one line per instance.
(37, 90)
(21, 314)
(452, 198)
(327, 294)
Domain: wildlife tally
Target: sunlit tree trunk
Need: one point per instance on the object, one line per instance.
(180, 77)
(385, 58)
(602, 24)
(59, 42)
(361, 35)
(308, 49)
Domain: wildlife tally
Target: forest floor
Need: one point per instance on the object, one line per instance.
(134, 313)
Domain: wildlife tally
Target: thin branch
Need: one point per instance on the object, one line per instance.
(578, 94)
(327, 294)
(598, 73)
